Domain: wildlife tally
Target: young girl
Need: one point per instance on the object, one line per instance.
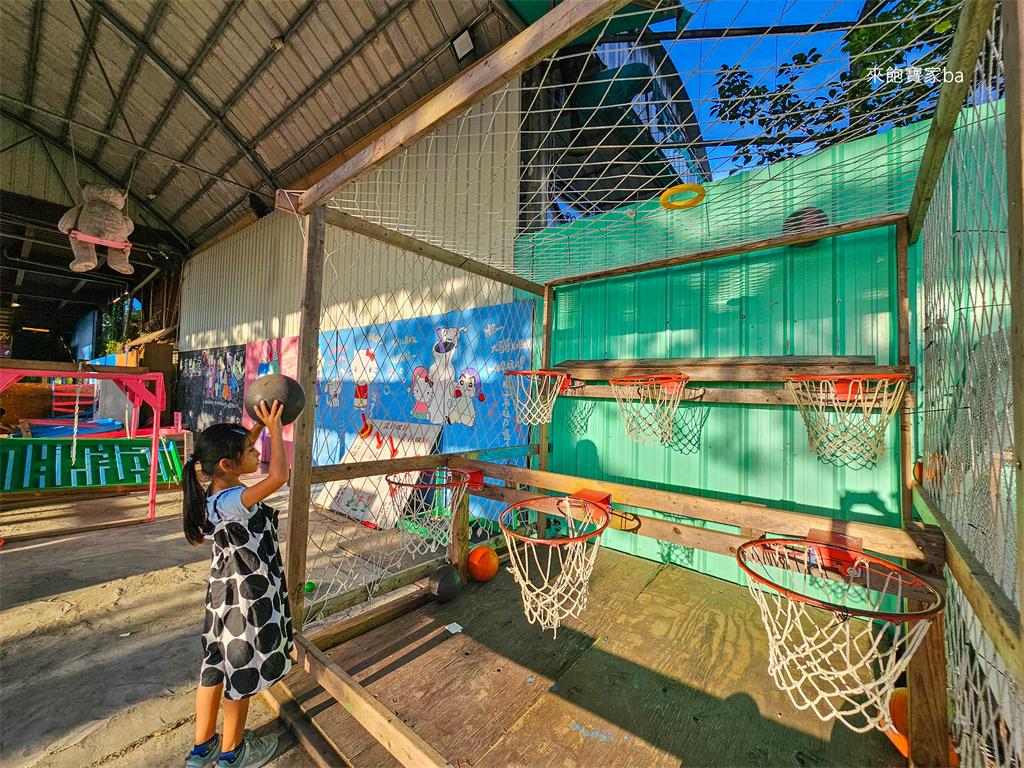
(247, 637)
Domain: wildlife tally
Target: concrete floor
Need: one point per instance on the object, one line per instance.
(99, 641)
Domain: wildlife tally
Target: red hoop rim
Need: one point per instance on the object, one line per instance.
(392, 478)
(552, 501)
(658, 378)
(852, 376)
(535, 373)
(859, 613)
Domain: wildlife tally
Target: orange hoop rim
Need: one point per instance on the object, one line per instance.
(552, 501)
(914, 579)
(852, 376)
(393, 478)
(658, 378)
(565, 381)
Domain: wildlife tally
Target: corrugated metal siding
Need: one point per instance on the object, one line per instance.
(246, 288)
(835, 297)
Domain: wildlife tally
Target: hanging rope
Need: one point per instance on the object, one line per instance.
(74, 431)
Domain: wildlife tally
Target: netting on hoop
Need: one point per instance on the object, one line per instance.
(648, 405)
(839, 667)
(424, 504)
(688, 426)
(580, 408)
(847, 416)
(553, 574)
(534, 394)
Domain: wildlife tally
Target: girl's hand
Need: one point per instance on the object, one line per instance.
(270, 415)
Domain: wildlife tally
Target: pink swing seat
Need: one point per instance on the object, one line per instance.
(76, 235)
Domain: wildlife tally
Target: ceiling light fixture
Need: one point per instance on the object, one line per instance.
(15, 304)
(35, 330)
(463, 45)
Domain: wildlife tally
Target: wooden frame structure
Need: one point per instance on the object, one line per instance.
(928, 546)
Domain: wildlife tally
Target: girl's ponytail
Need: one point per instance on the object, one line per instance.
(213, 445)
(193, 511)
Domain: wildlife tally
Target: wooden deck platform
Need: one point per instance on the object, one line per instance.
(666, 668)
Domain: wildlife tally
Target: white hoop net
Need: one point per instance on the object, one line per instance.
(648, 406)
(839, 667)
(534, 394)
(580, 408)
(553, 574)
(847, 417)
(424, 504)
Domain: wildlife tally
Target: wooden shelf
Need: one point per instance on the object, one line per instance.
(749, 369)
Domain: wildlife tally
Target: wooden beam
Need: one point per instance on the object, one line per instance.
(927, 713)
(975, 19)
(44, 365)
(394, 735)
(1013, 50)
(998, 615)
(735, 250)
(914, 544)
(562, 25)
(353, 470)
(458, 551)
(433, 252)
(339, 632)
(31, 535)
(708, 369)
(284, 706)
(18, 499)
(302, 446)
(903, 358)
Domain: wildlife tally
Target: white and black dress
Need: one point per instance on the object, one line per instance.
(247, 636)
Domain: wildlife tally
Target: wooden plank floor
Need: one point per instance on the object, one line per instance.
(665, 668)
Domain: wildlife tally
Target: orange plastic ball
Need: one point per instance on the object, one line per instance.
(483, 563)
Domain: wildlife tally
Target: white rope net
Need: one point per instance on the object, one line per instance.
(838, 666)
(648, 405)
(553, 573)
(660, 96)
(424, 504)
(580, 408)
(534, 394)
(847, 417)
(966, 426)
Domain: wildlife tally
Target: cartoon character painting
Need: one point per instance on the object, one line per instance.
(421, 391)
(211, 374)
(269, 362)
(465, 392)
(442, 373)
(364, 371)
(333, 392)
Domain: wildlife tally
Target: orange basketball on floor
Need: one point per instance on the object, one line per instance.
(898, 709)
(483, 563)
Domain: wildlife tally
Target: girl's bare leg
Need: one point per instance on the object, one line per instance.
(234, 723)
(207, 704)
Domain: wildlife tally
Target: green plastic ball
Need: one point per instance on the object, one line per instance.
(310, 586)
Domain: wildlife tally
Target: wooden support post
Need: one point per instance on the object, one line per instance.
(459, 548)
(975, 19)
(547, 313)
(394, 735)
(903, 353)
(302, 447)
(927, 718)
(1013, 50)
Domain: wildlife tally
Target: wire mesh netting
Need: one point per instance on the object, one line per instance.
(967, 430)
(653, 99)
(412, 361)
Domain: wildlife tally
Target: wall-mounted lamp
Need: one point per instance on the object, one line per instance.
(463, 45)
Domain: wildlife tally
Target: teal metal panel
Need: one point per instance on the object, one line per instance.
(833, 297)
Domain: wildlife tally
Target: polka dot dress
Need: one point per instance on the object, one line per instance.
(247, 637)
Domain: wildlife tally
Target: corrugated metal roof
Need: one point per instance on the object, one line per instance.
(246, 96)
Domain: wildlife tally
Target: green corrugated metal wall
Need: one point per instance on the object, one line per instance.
(836, 297)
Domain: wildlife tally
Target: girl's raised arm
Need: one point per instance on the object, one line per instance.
(278, 474)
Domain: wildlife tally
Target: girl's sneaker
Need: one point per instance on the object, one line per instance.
(209, 760)
(254, 752)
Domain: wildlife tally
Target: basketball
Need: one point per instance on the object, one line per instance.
(275, 386)
(445, 583)
(483, 563)
(898, 709)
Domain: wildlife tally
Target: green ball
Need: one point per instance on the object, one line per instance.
(445, 583)
(310, 586)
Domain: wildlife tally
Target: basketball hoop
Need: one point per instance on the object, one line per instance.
(534, 394)
(553, 574)
(846, 416)
(581, 408)
(648, 405)
(424, 503)
(838, 637)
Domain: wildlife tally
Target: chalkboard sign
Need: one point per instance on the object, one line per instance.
(211, 386)
(28, 464)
